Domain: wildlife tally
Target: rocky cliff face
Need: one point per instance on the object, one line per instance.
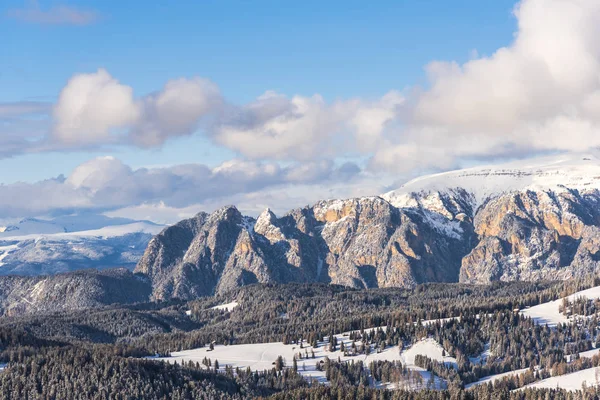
(513, 222)
(535, 235)
(534, 220)
(358, 242)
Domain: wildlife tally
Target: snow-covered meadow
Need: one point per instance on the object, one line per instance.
(262, 356)
(548, 313)
(571, 382)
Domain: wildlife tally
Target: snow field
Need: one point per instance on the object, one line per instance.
(571, 382)
(547, 313)
(261, 356)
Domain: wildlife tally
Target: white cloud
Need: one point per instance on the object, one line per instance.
(97, 174)
(175, 110)
(96, 109)
(107, 184)
(91, 107)
(541, 93)
(305, 128)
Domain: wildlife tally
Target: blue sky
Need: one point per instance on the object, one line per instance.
(172, 107)
(337, 49)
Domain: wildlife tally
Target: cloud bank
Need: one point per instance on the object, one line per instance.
(540, 93)
(107, 184)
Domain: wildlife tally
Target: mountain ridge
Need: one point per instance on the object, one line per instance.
(516, 221)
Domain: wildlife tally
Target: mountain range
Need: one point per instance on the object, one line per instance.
(527, 220)
(34, 246)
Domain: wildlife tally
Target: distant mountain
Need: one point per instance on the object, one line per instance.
(36, 246)
(526, 220)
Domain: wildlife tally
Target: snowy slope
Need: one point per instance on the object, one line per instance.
(570, 382)
(575, 171)
(103, 232)
(226, 307)
(547, 313)
(83, 225)
(497, 377)
(431, 349)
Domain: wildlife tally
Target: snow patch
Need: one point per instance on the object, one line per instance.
(261, 356)
(547, 313)
(497, 377)
(571, 382)
(226, 307)
(430, 348)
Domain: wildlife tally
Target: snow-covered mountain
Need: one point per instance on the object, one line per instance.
(527, 220)
(533, 219)
(552, 173)
(33, 246)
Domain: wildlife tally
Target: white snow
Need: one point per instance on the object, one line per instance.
(226, 307)
(107, 231)
(261, 356)
(494, 378)
(589, 353)
(575, 171)
(441, 224)
(571, 382)
(5, 250)
(248, 224)
(430, 348)
(547, 313)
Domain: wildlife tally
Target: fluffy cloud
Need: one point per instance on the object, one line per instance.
(56, 15)
(96, 109)
(300, 128)
(105, 183)
(91, 107)
(174, 111)
(541, 93)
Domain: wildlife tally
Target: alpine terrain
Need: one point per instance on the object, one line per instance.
(529, 220)
(34, 246)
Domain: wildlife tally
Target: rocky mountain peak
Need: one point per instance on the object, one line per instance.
(519, 221)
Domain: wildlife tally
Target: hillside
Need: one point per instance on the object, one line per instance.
(20, 295)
